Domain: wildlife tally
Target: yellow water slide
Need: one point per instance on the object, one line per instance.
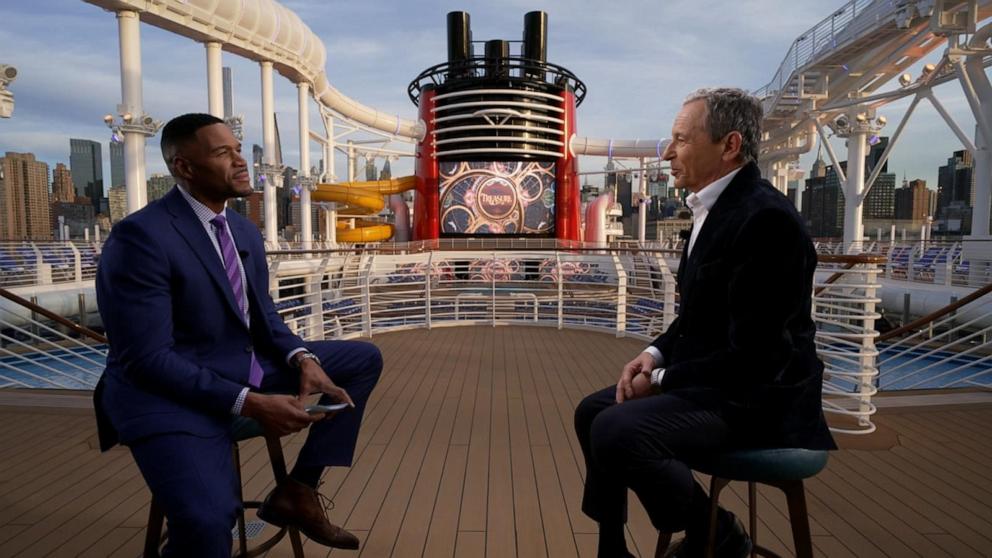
(363, 198)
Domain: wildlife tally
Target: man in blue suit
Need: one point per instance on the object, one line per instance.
(195, 340)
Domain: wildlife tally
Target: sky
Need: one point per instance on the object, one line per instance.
(638, 59)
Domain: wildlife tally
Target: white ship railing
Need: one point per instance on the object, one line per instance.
(950, 348)
(339, 294)
(845, 311)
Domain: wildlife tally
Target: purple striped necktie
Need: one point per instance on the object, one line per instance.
(230, 256)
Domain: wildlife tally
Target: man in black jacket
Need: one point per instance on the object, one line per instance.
(738, 367)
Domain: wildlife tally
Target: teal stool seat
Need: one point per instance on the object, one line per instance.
(242, 429)
(764, 465)
(783, 468)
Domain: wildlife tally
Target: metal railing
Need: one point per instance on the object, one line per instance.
(844, 308)
(47, 350)
(622, 292)
(847, 23)
(42, 263)
(936, 262)
(337, 294)
(948, 348)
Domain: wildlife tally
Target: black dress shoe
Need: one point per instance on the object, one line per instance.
(732, 541)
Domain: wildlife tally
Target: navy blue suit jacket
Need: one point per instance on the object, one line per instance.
(179, 349)
(744, 338)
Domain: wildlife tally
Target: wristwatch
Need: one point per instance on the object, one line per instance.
(656, 375)
(299, 357)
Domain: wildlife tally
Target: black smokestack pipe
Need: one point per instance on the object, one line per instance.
(536, 36)
(459, 37)
(497, 52)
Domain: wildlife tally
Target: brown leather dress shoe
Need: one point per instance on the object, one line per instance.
(295, 504)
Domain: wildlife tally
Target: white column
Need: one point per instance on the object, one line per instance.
(269, 154)
(331, 223)
(857, 146)
(352, 161)
(782, 177)
(215, 81)
(982, 182)
(642, 209)
(129, 27)
(307, 223)
(978, 91)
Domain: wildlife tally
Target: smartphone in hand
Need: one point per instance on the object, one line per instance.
(317, 409)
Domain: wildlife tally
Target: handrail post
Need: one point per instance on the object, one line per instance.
(427, 288)
(493, 302)
(561, 316)
(621, 296)
(77, 263)
(668, 293)
(367, 295)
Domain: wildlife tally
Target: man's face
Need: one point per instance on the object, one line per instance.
(695, 158)
(212, 164)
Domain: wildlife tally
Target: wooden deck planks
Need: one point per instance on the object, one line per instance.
(468, 450)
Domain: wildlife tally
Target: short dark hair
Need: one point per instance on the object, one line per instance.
(180, 130)
(732, 110)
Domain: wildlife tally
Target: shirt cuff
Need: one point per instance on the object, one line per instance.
(239, 403)
(657, 375)
(289, 357)
(656, 354)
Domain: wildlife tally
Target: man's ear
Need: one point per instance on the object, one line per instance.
(732, 146)
(181, 168)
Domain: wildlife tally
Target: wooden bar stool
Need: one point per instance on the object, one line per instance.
(783, 468)
(242, 429)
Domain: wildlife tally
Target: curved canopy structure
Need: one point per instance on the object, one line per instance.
(264, 30)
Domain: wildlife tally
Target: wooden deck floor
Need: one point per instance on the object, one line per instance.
(468, 450)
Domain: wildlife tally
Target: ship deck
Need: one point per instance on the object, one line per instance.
(468, 450)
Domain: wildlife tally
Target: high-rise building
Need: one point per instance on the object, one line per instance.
(284, 198)
(159, 185)
(62, 189)
(228, 97)
(86, 164)
(913, 201)
(955, 194)
(386, 173)
(256, 160)
(254, 209)
(880, 201)
(370, 170)
(116, 164)
(118, 203)
(24, 204)
(822, 202)
(623, 184)
(78, 216)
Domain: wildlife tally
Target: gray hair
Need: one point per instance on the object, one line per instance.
(732, 110)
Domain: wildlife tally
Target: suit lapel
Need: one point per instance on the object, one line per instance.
(715, 221)
(189, 227)
(727, 202)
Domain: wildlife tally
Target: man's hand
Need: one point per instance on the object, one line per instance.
(313, 379)
(278, 414)
(638, 369)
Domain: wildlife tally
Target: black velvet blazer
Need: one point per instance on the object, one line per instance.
(744, 338)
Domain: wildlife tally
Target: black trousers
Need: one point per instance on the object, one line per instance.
(637, 445)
